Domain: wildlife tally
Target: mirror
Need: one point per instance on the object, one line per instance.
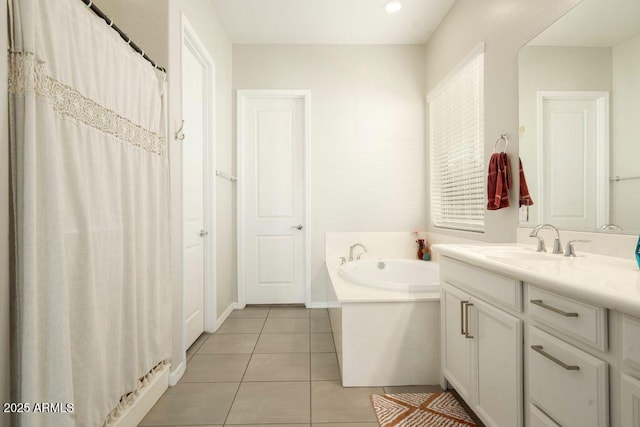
(579, 89)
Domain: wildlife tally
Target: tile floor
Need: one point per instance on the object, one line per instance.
(267, 365)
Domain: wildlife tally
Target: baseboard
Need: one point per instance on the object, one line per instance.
(175, 375)
(318, 304)
(147, 397)
(225, 314)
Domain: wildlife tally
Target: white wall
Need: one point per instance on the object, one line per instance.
(4, 221)
(545, 68)
(367, 133)
(625, 150)
(504, 26)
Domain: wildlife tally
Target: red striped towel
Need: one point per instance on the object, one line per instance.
(498, 181)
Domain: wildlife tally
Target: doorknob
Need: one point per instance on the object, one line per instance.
(203, 233)
(297, 227)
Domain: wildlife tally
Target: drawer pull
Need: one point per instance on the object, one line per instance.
(466, 320)
(539, 302)
(539, 349)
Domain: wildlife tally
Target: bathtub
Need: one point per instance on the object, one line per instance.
(385, 320)
(402, 275)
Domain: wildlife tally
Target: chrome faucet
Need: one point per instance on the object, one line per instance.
(353, 247)
(570, 251)
(557, 246)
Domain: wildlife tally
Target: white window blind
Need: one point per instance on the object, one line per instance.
(456, 130)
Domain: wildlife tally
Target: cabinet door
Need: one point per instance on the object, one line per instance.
(630, 401)
(456, 360)
(497, 342)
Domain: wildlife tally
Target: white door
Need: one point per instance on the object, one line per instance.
(497, 338)
(571, 169)
(273, 242)
(194, 163)
(457, 356)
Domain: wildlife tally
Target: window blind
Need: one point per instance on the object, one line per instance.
(456, 135)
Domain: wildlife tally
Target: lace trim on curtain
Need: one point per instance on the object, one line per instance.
(28, 75)
(128, 399)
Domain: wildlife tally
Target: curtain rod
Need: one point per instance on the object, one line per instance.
(124, 36)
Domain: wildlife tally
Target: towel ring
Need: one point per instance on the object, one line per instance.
(503, 137)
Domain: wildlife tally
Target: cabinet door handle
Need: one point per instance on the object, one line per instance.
(462, 303)
(539, 303)
(539, 349)
(466, 320)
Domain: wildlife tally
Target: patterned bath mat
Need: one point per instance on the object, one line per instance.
(420, 410)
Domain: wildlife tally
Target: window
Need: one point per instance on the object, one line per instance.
(456, 135)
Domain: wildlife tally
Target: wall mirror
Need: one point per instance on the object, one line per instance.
(579, 89)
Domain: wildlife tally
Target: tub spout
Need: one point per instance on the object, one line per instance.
(353, 247)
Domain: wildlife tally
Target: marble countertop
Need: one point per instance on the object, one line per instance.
(607, 281)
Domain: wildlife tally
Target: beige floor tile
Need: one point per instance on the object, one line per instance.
(238, 343)
(271, 403)
(283, 343)
(324, 366)
(333, 403)
(250, 313)
(196, 345)
(322, 343)
(413, 389)
(241, 326)
(320, 325)
(275, 425)
(192, 404)
(289, 313)
(347, 425)
(203, 368)
(319, 312)
(278, 367)
(286, 326)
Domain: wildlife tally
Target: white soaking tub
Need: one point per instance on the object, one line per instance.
(385, 321)
(403, 275)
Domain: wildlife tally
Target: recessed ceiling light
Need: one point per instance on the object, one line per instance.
(392, 6)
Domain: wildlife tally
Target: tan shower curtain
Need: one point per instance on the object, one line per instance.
(91, 213)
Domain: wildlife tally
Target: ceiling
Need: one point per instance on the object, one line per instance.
(593, 23)
(329, 21)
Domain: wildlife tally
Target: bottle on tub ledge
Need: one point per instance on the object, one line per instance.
(423, 247)
(638, 252)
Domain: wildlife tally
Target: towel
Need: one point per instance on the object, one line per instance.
(525, 197)
(498, 181)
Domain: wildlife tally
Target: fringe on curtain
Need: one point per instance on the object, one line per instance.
(128, 399)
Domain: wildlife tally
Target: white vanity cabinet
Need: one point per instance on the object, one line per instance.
(565, 332)
(630, 378)
(481, 345)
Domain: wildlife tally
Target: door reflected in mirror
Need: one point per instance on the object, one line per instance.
(580, 119)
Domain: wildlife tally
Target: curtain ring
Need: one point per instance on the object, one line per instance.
(128, 40)
(110, 22)
(90, 3)
(142, 52)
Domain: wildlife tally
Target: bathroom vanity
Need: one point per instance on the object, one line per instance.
(537, 339)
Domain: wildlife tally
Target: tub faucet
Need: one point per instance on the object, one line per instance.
(353, 247)
(557, 246)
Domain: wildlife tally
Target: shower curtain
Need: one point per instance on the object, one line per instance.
(91, 299)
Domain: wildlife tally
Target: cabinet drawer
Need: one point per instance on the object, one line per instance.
(578, 320)
(568, 384)
(503, 290)
(631, 342)
(537, 418)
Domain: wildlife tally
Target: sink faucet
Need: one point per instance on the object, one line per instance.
(557, 246)
(353, 247)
